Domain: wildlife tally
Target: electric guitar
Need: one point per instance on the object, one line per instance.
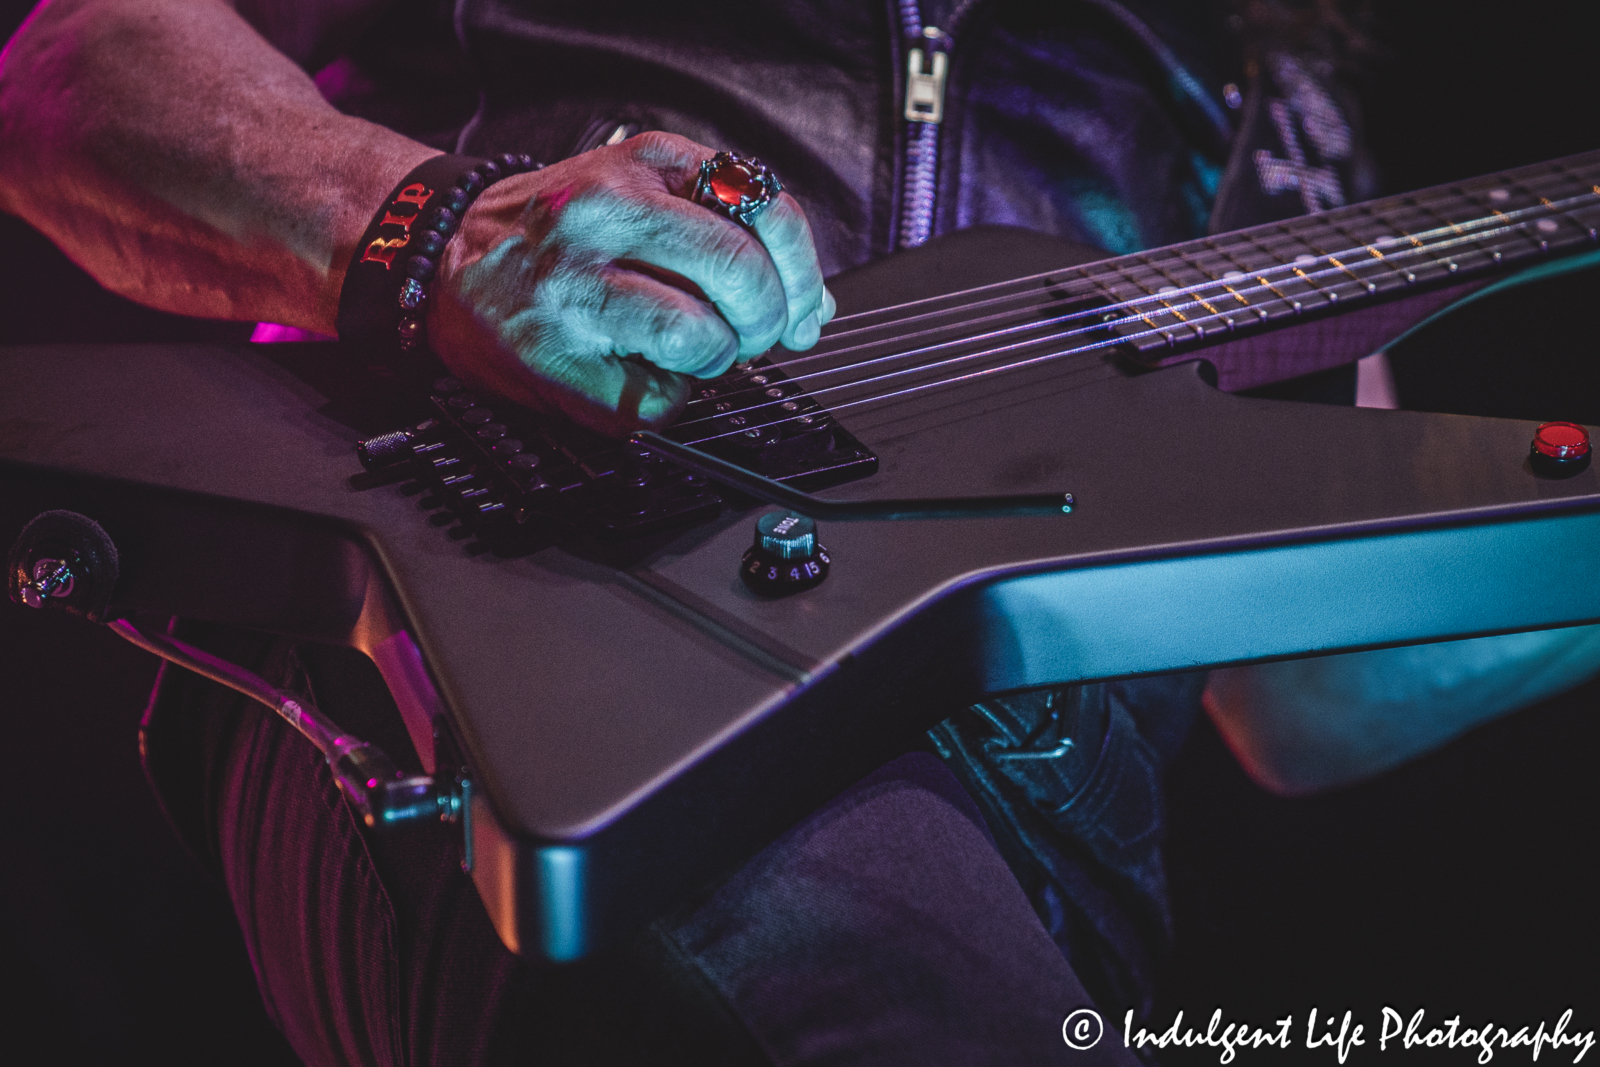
(578, 625)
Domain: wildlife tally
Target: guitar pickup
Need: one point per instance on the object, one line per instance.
(508, 472)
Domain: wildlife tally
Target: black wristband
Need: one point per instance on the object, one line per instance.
(382, 302)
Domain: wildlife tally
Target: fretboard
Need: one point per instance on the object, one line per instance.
(1185, 295)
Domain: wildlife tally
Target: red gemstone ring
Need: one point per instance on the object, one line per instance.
(736, 187)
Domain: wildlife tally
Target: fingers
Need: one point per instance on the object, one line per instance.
(559, 279)
(665, 325)
(786, 236)
(575, 377)
(765, 281)
(616, 396)
(574, 337)
(723, 260)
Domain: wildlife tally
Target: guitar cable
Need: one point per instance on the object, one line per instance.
(66, 562)
(380, 792)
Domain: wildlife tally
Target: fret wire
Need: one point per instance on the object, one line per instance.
(1527, 178)
(1428, 246)
(1425, 247)
(1539, 224)
(1520, 228)
(1550, 223)
(1339, 229)
(1562, 176)
(1556, 214)
(1133, 305)
(1352, 214)
(1558, 165)
(1196, 297)
(1453, 200)
(1189, 262)
(1228, 253)
(1330, 222)
(1376, 253)
(1511, 232)
(1261, 314)
(1464, 192)
(1308, 237)
(1112, 295)
(1252, 272)
(1152, 294)
(1246, 271)
(1251, 237)
(1127, 268)
(1223, 279)
(1561, 172)
(1339, 221)
(1296, 256)
(1241, 270)
(1476, 235)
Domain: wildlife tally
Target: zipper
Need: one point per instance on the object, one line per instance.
(927, 64)
(928, 51)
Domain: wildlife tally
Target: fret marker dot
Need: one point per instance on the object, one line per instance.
(1389, 242)
(1305, 261)
(1547, 225)
(1233, 276)
(1499, 196)
(1167, 289)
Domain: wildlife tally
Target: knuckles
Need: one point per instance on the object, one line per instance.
(666, 151)
(692, 347)
(585, 216)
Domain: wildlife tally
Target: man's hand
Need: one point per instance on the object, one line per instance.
(232, 190)
(597, 288)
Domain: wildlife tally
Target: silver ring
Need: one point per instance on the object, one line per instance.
(736, 187)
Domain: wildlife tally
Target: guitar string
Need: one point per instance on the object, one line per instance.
(1148, 261)
(1369, 210)
(1029, 285)
(1421, 244)
(1033, 342)
(1407, 201)
(1504, 226)
(984, 372)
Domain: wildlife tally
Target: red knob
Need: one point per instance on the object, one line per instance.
(1564, 442)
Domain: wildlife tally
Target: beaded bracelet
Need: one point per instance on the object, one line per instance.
(386, 288)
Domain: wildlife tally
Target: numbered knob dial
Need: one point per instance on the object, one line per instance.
(786, 557)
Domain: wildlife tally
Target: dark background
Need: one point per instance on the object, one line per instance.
(1462, 883)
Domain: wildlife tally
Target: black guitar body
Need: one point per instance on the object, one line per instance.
(634, 720)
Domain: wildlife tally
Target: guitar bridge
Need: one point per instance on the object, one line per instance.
(506, 471)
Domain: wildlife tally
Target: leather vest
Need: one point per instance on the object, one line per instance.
(1076, 119)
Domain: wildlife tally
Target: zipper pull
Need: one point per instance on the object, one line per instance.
(925, 70)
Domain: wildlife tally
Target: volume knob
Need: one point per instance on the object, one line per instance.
(786, 556)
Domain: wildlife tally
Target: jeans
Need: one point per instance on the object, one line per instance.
(884, 929)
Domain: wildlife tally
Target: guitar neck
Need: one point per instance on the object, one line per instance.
(1183, 296)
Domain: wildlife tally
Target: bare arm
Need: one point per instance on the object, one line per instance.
(185, 162)
(188, 163)
(1309, 724)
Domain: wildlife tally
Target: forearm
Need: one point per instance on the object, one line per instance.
(185, 162)
(1309, 724)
